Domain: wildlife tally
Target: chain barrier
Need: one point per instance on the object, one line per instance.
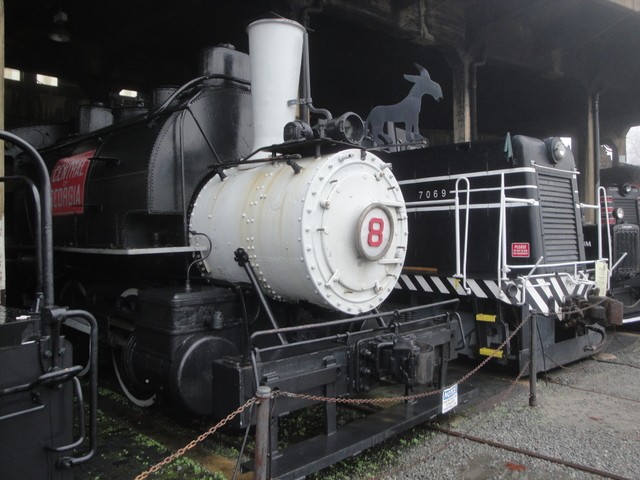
(502, 396)
(403, 398)
(315, 398)
(352, 401)
(197, 440)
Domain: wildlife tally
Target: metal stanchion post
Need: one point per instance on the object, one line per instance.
(533, 399)
(261, 459)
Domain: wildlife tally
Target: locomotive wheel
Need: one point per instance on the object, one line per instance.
(120, 341)
(137, 394)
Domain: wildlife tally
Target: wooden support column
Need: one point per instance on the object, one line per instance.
(460, 68)
(586, 159)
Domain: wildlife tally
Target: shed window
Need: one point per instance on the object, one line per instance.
(46, 80)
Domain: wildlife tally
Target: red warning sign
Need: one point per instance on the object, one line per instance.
(521, 249)
(68, 182)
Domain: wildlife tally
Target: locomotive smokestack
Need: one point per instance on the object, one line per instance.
(275, 49)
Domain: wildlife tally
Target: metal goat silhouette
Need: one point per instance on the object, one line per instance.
(406, 111)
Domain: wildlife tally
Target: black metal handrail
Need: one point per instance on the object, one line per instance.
(46, 223)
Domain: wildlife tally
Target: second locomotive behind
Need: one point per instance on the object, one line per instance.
(619, 231)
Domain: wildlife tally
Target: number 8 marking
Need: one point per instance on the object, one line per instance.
(376, 232)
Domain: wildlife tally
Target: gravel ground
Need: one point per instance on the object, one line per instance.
(597, 430)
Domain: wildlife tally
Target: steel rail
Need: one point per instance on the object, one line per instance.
(529, 453)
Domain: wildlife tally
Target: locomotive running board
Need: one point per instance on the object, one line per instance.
(306, 457)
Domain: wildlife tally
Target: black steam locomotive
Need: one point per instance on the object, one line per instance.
(217, 262)
(218, 258)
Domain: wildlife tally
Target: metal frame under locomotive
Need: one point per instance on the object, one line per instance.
(498, 225)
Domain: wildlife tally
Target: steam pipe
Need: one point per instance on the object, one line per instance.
(185, 224)
(307, 102)
(307, 106)
(243, 260)
(306, 79)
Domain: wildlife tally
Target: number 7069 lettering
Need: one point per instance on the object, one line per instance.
(432, 194)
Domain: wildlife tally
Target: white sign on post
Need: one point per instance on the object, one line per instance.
(450, 398)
